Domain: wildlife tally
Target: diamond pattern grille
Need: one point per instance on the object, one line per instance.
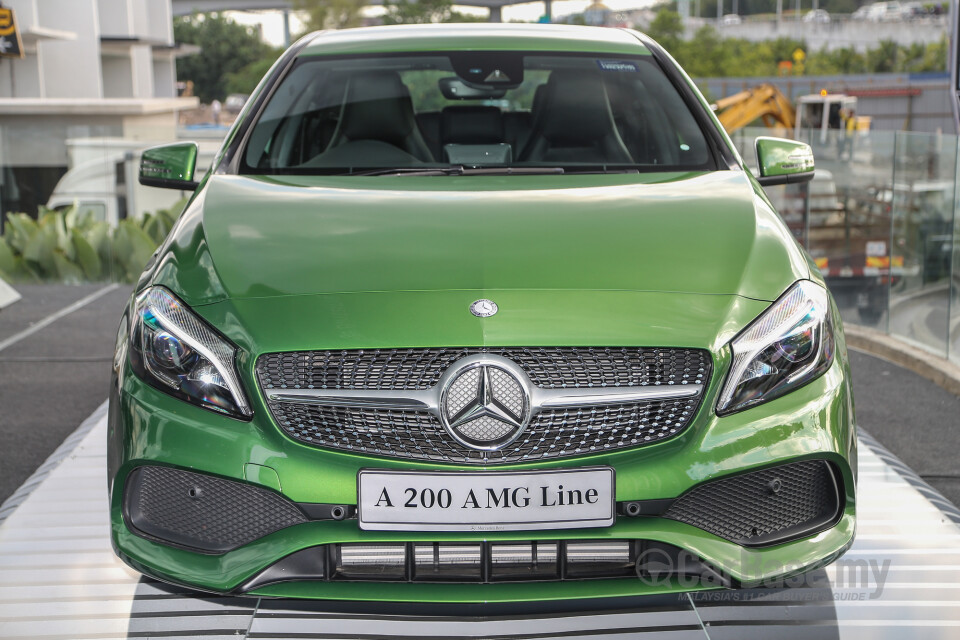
(418, 435)
(548, 367)
(463, 391)
(485, 429)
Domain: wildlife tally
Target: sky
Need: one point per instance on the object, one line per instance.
(271, 22)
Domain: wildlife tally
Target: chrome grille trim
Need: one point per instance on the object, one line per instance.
(427, 400)
(574, 408)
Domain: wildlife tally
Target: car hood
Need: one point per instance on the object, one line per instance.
(697, 233)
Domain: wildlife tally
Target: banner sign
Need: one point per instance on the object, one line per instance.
(10, 44)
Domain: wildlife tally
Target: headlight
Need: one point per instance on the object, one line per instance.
(179, 353)
(789, 345)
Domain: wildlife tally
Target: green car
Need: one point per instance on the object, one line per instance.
(479, 313)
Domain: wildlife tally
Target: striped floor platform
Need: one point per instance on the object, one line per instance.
(59, 579)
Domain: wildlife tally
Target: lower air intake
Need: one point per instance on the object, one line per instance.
(764, 507)
(202, 512)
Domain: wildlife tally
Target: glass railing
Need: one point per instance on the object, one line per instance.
(879, 218)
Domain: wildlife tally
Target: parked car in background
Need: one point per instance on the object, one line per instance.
(885, 12)
(912, 11)
(731, 18)
(817, 16)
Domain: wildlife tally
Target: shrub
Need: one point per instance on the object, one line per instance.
(72, 247)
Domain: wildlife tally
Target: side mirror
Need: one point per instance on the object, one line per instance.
(783, 161)
(170, 166)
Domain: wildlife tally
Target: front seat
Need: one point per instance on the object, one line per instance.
(377, 126)
(574, 123)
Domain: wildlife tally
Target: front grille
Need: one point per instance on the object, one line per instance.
(203, 512)
(766, 506)
(419, 369)
(418, 435)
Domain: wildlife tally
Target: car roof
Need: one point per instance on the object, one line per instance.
(476, 36)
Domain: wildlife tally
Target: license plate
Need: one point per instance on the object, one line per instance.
(485, 501)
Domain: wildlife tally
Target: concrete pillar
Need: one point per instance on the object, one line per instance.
(548, 9)
(719, 10)
(495, 14)
(286, 28)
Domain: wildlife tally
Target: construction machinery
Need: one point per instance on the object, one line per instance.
(820, 112)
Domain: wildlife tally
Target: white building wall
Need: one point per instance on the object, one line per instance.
(118, 76)
(142, 58)
(71, 68)
(22, 80)
(159, 20)
(115, 18)
(141, 18)
(164, 77)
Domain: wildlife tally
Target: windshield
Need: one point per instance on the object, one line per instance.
(468, 110)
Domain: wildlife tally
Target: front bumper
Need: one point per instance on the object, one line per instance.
(148, 427)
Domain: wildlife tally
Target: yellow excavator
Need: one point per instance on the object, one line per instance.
(823, 111)
(764, 102)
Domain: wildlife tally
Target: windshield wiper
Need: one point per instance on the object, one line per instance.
(459, 170)
(408, 171)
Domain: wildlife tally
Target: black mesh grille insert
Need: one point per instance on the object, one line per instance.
(203, 512)
(418, 435)
(548, 367)
(762, 507)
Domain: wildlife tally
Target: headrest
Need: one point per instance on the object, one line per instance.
(471, 125)
(378, 108)
(576, 111)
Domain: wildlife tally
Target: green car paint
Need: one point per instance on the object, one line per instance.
(279, 263)
(170, 165)
(780, 158)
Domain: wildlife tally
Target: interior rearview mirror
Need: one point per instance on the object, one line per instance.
(456, 89)
(783, 161)
(170, 166)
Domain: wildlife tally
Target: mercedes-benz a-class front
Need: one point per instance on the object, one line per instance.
(479, 313)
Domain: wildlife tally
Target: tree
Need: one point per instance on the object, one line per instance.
(667, 29)
(885, 58)
(424, 12)
(331, 14)
(417, 11)
(225, 47)
(245, 80)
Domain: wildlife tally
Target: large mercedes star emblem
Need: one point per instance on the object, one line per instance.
(484, 404)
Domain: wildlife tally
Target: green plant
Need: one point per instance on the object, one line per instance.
(72, 246)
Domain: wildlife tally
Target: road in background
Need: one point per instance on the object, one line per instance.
(52, 380)
(912, 417)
